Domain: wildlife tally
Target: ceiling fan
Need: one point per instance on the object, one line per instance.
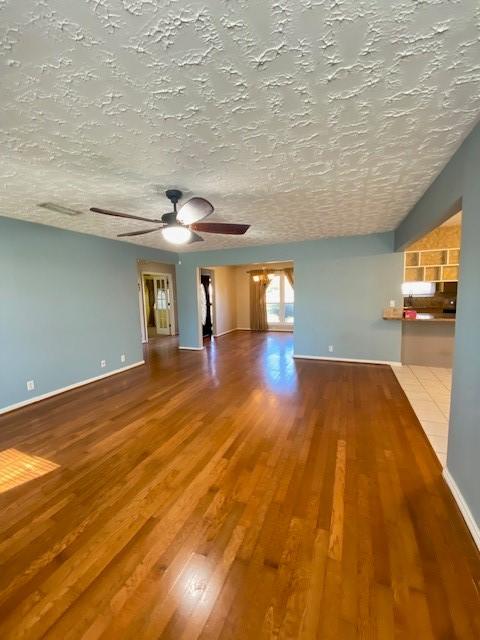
(179, 226)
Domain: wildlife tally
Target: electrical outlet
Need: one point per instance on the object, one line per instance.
(122, 358)
(30, 385)
(103, 363)
(392, 303)
(330, 348)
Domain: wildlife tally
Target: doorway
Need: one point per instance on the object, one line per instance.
(206, 304)
(157, 305)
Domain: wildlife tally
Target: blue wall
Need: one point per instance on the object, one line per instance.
(341, 287)
(67, 301)
(460, 179)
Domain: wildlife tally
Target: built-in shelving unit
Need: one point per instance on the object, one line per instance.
(432, 265)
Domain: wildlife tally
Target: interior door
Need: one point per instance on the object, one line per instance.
(206, 304)
(162, 304)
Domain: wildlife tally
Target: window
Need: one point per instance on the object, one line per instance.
(418, 288)
(280, 299)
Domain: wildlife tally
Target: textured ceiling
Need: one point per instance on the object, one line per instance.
(305, 118)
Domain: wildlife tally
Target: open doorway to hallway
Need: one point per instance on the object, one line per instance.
(207, 302)
(249, 297)
(156, 287)
(157, 304)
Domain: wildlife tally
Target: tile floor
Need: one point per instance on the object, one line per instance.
(428, 390)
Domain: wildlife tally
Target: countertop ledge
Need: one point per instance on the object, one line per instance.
(434, 319)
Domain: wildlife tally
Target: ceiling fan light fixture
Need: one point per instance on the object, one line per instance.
(176, 234)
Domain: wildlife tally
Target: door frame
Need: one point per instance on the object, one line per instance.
(171, 310)
(205, 271)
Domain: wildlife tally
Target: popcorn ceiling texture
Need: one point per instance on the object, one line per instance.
(305, 119)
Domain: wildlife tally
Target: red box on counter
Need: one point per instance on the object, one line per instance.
(410, 313)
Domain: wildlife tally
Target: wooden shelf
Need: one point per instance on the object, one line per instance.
(414, 273)
(433, 258)
(432, 265)
(432, 274)
(450, 273)
(454, 257)
(412, 258)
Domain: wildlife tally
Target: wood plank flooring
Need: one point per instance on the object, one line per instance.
(232, 493)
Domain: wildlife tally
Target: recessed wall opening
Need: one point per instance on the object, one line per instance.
(254, 297)
(430, 283)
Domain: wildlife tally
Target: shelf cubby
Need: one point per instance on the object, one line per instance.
(412, 259)
(433, 258)
(413, 273)
(432, 265)
(450, 273)
(432, 274)
(454, 256)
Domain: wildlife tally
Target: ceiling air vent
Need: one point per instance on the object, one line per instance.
(51, 206)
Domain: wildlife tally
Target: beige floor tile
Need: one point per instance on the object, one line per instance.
(435, 428)
(443, 458)
(423, 373)
(407, 377)
(427, 410)
(439, 396)
(439, 443)
(444, 408)
(417, 395)
(443, 405)
(434, 386)
(411, 384)
(444, 379)
(428, 391)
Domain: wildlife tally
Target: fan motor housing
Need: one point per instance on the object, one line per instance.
(169, 218)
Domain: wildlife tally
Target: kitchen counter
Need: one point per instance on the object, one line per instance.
(426, 317)
(428, 341)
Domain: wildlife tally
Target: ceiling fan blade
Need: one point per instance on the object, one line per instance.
(220, 227)
(138, 233)
(193, 210)
(117, 214)
(195, 237)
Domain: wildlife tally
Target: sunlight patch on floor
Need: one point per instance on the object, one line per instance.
(17, 467)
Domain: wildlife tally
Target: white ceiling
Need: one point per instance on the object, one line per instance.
(305, 119)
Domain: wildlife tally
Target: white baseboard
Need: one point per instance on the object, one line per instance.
(191, 348)
(358, 360)
(463, 506)
(217, 335)
(270, 329)
(287, 330)
(56, 392)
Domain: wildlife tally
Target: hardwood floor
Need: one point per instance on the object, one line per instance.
(232, 493)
